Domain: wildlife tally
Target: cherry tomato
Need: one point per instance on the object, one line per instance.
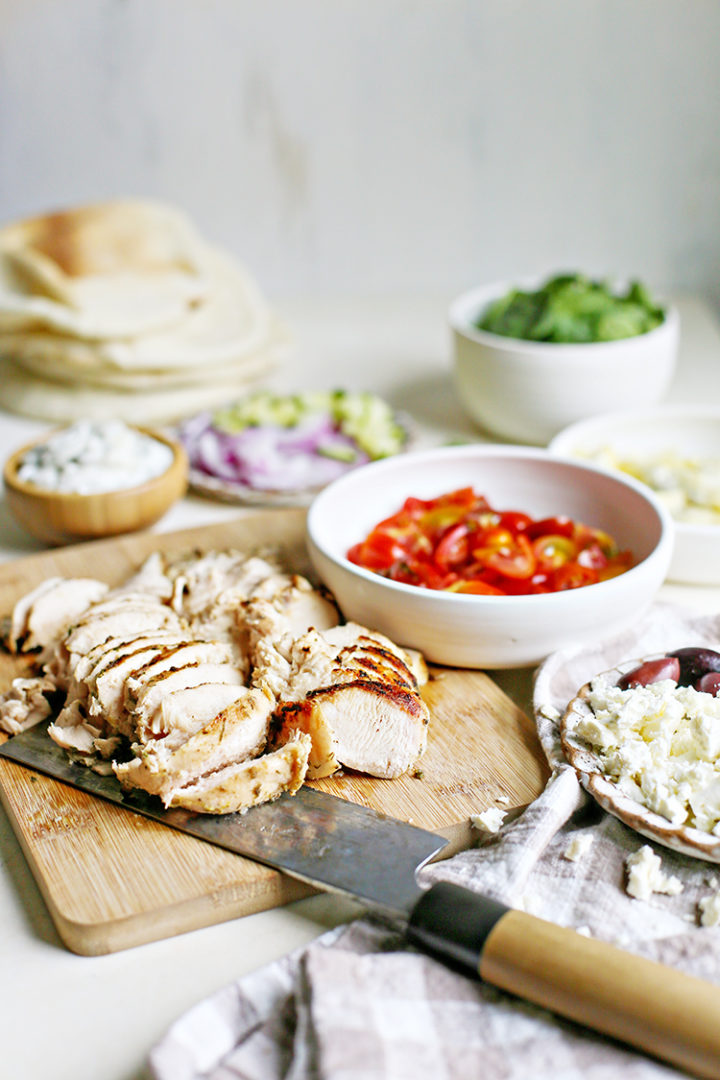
(453, 547)
(378, 552)
(553, 549)
(593, 556)
(479, 588)
(515, 521)
(515, 560)
(555, 526)
(571, 576)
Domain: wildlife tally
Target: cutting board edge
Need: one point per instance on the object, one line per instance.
(100, 939)
(125, 932)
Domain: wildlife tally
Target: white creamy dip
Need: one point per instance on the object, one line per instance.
(91, 457)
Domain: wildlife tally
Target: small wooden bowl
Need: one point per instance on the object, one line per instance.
(59, 518)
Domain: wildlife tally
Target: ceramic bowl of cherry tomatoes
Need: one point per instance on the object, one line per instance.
(488, 556)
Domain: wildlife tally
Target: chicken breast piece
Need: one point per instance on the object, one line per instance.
(24, 705)
(145, 706)
(248, 783)
(124, 620)
(40, 619)
(359, 703)
(108, 687)
(234, 732)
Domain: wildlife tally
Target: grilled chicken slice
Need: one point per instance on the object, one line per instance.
(201, 582)
(40, 618)
(232, 730)
(107, 683)
(25, 704)
(376, 729)
(122, 620)
(248, 783)
(145, 704)
(359, 703)
(151, 580)
(85, 669)
(78, 737)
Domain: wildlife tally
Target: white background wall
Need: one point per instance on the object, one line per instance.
(362, 146)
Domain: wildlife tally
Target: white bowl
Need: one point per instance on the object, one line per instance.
(692, 432)
(527, 391)
(490, 631)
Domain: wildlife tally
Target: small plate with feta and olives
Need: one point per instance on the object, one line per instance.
(281, 449)
(644, 738)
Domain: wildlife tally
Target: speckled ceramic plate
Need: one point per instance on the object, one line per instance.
(587, 764)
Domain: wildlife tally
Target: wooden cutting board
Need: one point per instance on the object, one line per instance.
(113, 879)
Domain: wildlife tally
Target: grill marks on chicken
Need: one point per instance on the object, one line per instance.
(214, 682)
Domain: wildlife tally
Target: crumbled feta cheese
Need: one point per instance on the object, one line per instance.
(489, 820)
(689, 487)
(710, 910)
(549, 712)
(661, 745)
(646, 876)
(579, 845)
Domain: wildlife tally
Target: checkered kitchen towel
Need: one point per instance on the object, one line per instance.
(358, 1004)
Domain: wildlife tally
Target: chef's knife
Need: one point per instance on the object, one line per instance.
(349, 849)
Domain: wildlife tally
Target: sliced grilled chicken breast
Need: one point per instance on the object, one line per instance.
(249, 783)
(232, 731)
(227, 681)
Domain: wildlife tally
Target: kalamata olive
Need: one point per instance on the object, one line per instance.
(695, 662)
(652, 671)
(710, 683)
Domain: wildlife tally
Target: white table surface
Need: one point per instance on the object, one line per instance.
(67, 1017)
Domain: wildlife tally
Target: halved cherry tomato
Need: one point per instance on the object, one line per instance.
(553, 550)
(555, 526)
(378, 552)
(515, 521)
(453, 547)
(514, 561)
(571, 576)
(593, 556)
(478, 588)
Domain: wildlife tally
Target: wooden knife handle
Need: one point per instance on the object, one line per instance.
(662, 1011)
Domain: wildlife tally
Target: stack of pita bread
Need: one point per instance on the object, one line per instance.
(121, 309)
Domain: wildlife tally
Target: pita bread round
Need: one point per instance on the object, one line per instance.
(42, 399)
(75, 362)
(231, 321)
(110, 270)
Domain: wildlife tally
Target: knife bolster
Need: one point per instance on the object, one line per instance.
(453, 923)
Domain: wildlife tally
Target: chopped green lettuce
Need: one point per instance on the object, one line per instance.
(572, 308)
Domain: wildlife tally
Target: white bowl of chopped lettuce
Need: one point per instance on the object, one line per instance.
(532, 357)
(271, 448)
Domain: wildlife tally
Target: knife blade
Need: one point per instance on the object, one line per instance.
(350, 849)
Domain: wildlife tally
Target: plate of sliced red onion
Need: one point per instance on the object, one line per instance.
(274, 449)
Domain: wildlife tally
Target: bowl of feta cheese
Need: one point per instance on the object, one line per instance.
(644, 738)
(93, 479)
(675, 450)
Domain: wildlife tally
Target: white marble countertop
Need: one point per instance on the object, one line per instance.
(67, 1017)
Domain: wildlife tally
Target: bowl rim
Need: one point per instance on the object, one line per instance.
(11, 480)
(663, 411)
(664, 544)
(460, 322)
